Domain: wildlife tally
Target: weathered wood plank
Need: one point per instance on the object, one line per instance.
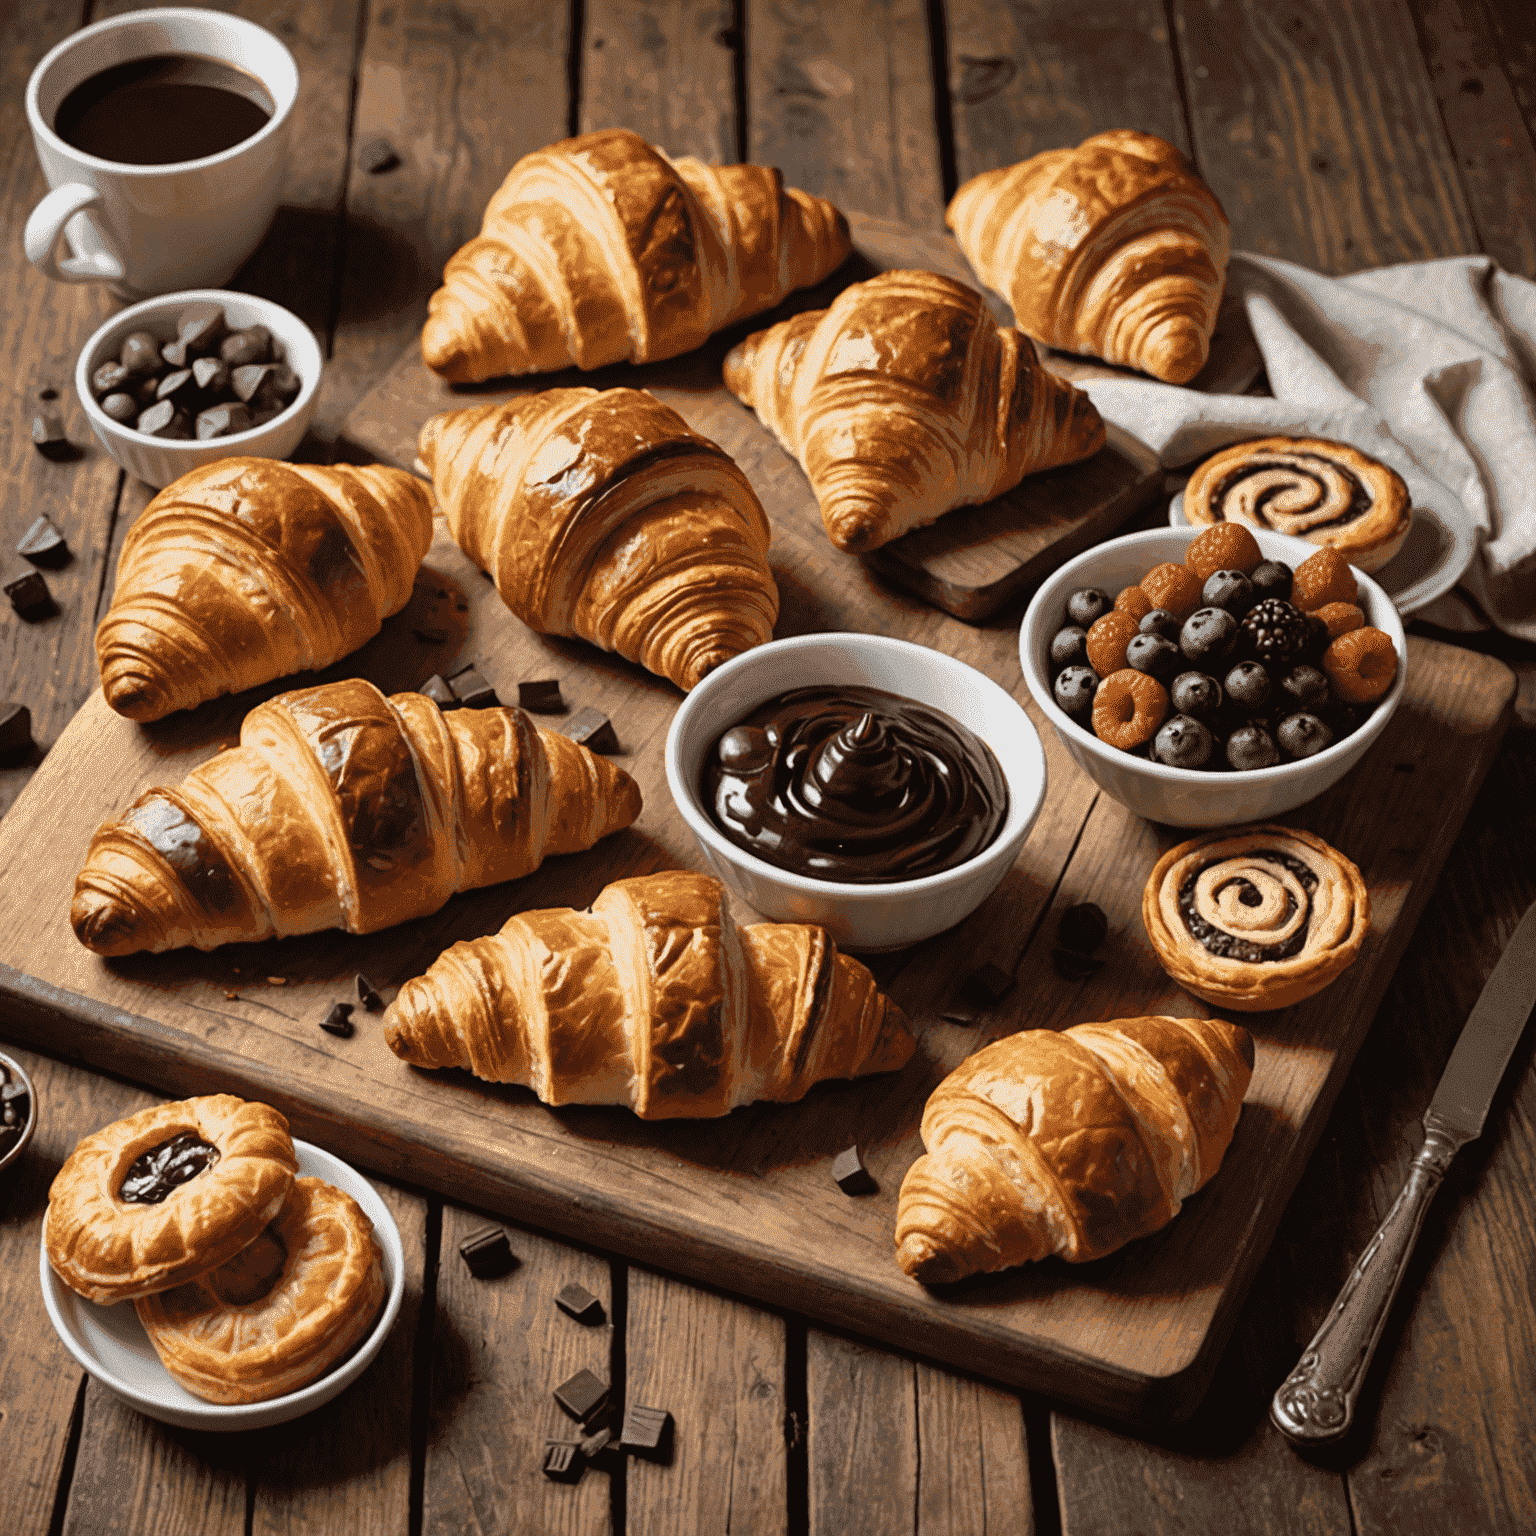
(499, 1348)
(718, 1367)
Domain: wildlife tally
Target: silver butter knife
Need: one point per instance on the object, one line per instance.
(1316, 1402)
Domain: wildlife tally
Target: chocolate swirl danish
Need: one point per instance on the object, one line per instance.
(1257, 917)
(1325, 492)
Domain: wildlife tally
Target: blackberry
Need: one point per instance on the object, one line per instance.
(1274, 630)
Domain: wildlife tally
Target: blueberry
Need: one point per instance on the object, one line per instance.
(1340, 718)
(1160, 622)
(1153, 655)
(1069, 647)
(1088, 604)
(1230, 590)
(1183, 742)
(1197, 694)
(1271, 578)
(1075, 689)
(1248, 686)
(1302, 735)
(1251, 746)
(1306, 686)
(1208, 635)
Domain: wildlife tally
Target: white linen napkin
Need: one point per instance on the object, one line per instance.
(1429, 366)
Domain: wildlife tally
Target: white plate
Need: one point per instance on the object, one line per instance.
(112, 1345)
(1434, 557)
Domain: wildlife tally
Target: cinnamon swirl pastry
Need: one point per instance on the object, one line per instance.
(1258, 917)
(1328, 493)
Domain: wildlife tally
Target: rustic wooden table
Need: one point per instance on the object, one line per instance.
(1343, 135)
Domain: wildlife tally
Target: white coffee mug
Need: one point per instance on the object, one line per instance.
(150, 229)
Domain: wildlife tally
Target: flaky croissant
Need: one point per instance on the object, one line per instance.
(605, 516)
(1116, 248)
(1071, 1144)
(903, 401)
(251, 569)
(654, 999)
(341, 808)
(600, 249)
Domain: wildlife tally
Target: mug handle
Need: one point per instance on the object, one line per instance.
(46, 224)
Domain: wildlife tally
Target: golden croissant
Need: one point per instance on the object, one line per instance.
(605, 516)
(601, 249)
(1071, 1144)
(1116, 248)
(341, 808)
(251, 569)
(654, 999)
(904, 401)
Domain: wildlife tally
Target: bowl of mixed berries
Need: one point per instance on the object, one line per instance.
(1207, 677)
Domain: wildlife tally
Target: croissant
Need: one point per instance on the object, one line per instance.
(1071, 1144)
(604, 515)
(342, 809)
(654, 999)
(250, 569)
(903, 401)
(601, 249)
(1116, 248)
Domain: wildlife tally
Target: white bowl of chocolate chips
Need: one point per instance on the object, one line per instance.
(18, 1111)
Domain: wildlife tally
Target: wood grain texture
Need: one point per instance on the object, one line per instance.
(841, 100)
(1315, 124)
(718, 1367)
(499, 1348)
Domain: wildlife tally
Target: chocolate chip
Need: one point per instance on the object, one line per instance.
(439, 692)
(222, 420)
(252, 345)
(852, 1177)
(338, 1021)
(48, 435)
(593, 1445)
(165, 421)
(109, 378)
(211, 374)
(30, 597)
(174, 354)
(285, 382)
(120, 407)
(376, 155)
(542, 696)
(472, 690)
(140, 353)
(368, 996)
(249, 381)
(578, 1302)
(1071, 966)
(15, 732)
(647, 1433)
(985, 986)
(563, 1461)
(592, 729)
(582, 1396)
(488, 1253)
(200, 327)
(180, 387)
(1082, 928)
(44, 545)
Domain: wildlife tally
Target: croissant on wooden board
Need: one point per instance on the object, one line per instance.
(904, 401)
(341, 808)
(655, 999)
(251, 569)
(605, 516)
(600, 249)
(1069, 1143)
(1116, 248)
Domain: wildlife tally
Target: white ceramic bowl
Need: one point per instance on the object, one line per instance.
(1188, 797)
(113, 1347)
(158, 461)
(860, 917)
(11, 1157)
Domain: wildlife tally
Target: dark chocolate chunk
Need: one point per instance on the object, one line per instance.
(1082, 928)
(48, 435)
(592, 729)
(250, 381)
(174, 353)
(1071, 966)
(338, 1021)
(647, 1433)
(593, 1445)
(140, 353)
(201, 327)
(222, 420)
(472, 690)
(109, 378)
(121, 407)
(179, 386)
(376, 155)
(252, 345)
(439, 692)
(44, 545)
(285, 382)
(163, 420)
(578, 1302)
(368, 996)
(15, 731)
(211, 374)
(541, 696)
(985, 986)
(563, 1461)
(852, 1177)
(488, 1254)
(30, 596)
(582, 1395)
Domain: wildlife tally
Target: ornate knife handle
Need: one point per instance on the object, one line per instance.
(1316, 1402)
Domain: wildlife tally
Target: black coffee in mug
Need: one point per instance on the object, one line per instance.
(163, 109)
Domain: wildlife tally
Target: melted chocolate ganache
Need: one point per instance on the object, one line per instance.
(855, 785)
(154, 1174)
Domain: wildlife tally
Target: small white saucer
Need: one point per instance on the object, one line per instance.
(112, 1346)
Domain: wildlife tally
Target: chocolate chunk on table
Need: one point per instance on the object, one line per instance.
(44, 545)
(1082, 928)
(30, 597)
(338, 1021)
(15, 732)
(439, 692)
(647, 1433)
(592, 729)
(582, 1396)
(563, 1461)
(852, 1177)
(368, 995)
(986, 985)
(48, 435)
(593, 1445)
(472, 690)
(488, 1253)
(578, 1302)
(376, 155)
(542, 696)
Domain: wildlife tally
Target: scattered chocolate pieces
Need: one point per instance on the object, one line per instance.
(593, 1445)
(48, 427)
(211, 374)
(1082, 928)
(30, 597)
(44, 545)
(376, 155)
(647, 1433)
(472, 690)
(985, 986)
(542, 696)
(1071, 966)
(592, 729)
(852, 1177)
(439, 692)
(578, 1302)
(488, 1254)
(163, 420)
(15, 732)
(563, 1461)
(582, 1395)
(368, 995)
(338, 1021)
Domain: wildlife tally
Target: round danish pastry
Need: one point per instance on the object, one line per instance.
(281, 1313)
(167, 1194)
(1259, 917)
(1328, 493)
